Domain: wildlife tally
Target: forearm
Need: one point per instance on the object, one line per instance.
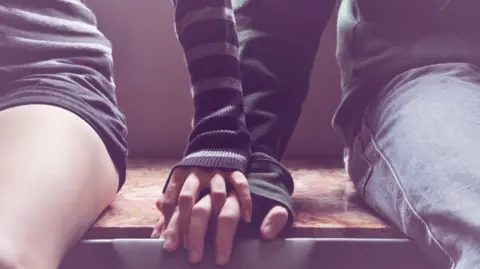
(278, 45)
(207, 34)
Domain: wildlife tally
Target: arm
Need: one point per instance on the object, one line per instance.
(278, 42)
(207, 34)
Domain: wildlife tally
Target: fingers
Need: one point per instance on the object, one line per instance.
(228, 219)
(240, 184)
(274, 222)
(201, 214)
(184, 186)
(169, 199)
(158, 229)
(218, 192)
(186, 201)
(172, 233)
(189, 221)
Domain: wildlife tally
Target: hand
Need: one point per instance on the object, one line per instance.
(185, 186)
(227, 222)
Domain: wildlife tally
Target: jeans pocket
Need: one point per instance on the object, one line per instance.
(358, 167)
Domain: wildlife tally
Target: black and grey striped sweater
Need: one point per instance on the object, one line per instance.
(207, 34)
(220, 138)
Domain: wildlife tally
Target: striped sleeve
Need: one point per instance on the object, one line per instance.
(207, 34)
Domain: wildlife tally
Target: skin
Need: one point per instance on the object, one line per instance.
(226, 220)
(55, 179)
(185, 186)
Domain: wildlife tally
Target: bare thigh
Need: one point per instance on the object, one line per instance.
(56, 177)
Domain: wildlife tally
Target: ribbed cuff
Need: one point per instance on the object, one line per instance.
(213, 159)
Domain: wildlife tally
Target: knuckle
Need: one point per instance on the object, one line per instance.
(170, 182)
(168, 196)
(159, 224)
(218, 188)
(219, 196)
(169, 232)
(237, 174)
(247, 199)
(158, 203)
(217, 176)
(200, 212)
(217, 181)
(242, 184)
(185, 198)
(166, 203)
(227, 218)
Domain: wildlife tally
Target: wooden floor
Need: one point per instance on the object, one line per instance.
(325, 201)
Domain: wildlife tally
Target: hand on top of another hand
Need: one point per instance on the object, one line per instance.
(226, 222)
(185, 186)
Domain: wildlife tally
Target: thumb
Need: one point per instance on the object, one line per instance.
(274, 222)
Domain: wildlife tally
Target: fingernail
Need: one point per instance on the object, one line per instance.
(169, 243)
(222, 259)
(267, 230)
(166, 243)
(155, 233)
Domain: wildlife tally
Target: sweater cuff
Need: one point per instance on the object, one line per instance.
(270, 185)
(220, 159)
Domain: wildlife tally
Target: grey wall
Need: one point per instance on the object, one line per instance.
(153, 86)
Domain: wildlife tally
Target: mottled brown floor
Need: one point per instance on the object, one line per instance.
(325, 201)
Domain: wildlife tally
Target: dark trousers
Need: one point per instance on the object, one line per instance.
(278, 43)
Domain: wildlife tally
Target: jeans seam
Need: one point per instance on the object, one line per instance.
(361, 184)
(405, 197)
(369, 175)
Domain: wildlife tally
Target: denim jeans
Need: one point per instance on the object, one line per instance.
(412, 150)
(415, 160)
(411, 134)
